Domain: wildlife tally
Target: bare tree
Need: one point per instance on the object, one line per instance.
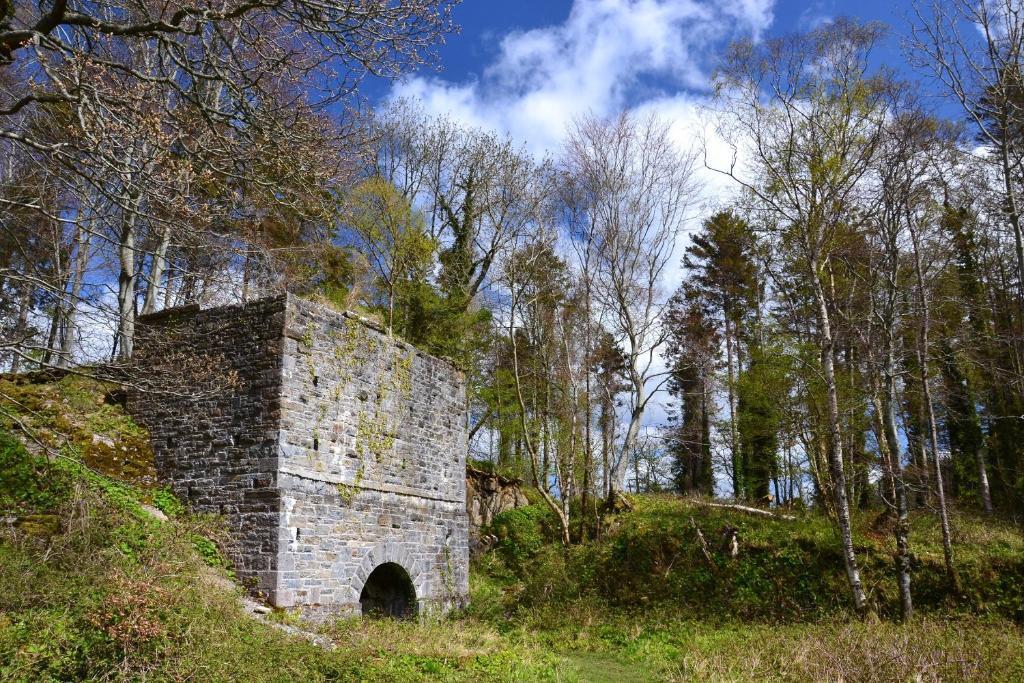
(975, 50)
(191, 146)
(922, 351)
(634, 185)
(902, 185)
(534, 289)
(480, 190)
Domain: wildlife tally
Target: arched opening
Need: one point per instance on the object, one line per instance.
(388, 592)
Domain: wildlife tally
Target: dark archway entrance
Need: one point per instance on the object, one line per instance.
(388, 592)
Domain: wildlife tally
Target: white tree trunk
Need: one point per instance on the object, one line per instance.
(835, 451)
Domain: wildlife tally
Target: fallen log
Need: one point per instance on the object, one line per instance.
(704, 547)
(747, 510)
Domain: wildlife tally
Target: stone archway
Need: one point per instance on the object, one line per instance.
(388, 591)
(391, 554)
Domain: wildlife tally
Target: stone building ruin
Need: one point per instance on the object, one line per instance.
(335, 453)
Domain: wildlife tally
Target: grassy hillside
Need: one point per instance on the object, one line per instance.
(786, 571)
(94, 587)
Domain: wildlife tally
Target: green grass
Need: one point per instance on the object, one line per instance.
(786, 571)
(108, 593)
(93, 588)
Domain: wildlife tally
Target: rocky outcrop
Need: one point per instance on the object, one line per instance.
(488, 495)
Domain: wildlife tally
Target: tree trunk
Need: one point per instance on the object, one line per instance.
(60, 284)
(55, 324)
(1014, 216)
(902, 530)
(126, 286)
(606, 443)
(21, 327)
(156, 272)
(541, 478)
(929, 410)
(707, 475)
(169, 287)
(835, 450)
(737, 466)
(629, 441)
(71, 311)
(983, 485)
(588, 446)
(940, 492)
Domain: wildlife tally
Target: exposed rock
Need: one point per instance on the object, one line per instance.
(154, 512)
(488, 495)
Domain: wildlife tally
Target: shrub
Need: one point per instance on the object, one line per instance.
(166, 502)
(29, 484)
(522, 533)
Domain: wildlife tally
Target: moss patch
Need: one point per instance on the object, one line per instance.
(78, 412)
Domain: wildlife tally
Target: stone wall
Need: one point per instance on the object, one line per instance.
(215, 437)
(337, 449)
(373, 456)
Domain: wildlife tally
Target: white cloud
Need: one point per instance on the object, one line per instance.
(648, 56)
(608, 55)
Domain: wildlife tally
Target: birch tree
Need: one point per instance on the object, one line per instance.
(636, 183)
(975, 50)
(805, 114)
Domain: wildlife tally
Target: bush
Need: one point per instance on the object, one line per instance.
(166, 502)
(522, 533)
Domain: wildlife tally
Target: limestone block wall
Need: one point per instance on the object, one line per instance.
(336, 449)
(215, 436)
(373, 456)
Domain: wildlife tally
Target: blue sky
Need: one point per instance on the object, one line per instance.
(485, 21)
(527, 67)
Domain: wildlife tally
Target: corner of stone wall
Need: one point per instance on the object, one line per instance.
(216, 447)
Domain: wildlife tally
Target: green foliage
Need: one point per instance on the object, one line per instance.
(786, 570)
(440, 324)
(166, 502)
(374, 435)
(507, 470)
(75, 412)
(348, 492)
(117, 596)
(335, 275)
(29, 484)
(721, 259)
(523, 533)
(208, 551)
(110, 594)
(392, 235)
(762, 391)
